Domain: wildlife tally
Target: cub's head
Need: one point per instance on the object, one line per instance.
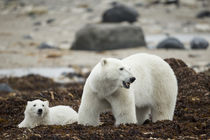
(37, 108)
(116, 72)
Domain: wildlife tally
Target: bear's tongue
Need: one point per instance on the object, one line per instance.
(126, 84)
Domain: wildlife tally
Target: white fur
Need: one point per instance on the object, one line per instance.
(155, 90)
(57, 115)
(155, 87)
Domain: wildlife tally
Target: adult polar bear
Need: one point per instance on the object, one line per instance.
(108, 87)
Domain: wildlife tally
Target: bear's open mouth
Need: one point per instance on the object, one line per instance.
(39, 114)
(126, 84)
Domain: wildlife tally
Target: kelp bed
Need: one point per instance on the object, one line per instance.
(191, 119)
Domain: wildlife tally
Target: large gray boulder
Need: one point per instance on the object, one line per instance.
(100, 37)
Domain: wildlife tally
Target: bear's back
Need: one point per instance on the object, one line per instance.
(152, 74)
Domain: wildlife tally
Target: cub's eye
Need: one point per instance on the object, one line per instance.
(34, 105)
(43, 105)
(121, 68)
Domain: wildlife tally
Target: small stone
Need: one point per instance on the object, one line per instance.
(199, 43)
(45, 45)
(51, 20)
(170, 43)
(28, 37)
(38, 23)
(5, 88)
(172, 2)
(89, 10)
(139, 4)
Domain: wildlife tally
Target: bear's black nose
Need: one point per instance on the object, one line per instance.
(132, 79)
(40, 111)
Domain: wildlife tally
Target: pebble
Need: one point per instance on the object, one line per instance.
(28, 37)
(51, 20)
(46, 45)
(38, 23)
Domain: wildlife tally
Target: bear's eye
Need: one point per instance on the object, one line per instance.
(121, 68)
(43, 105)
(34, 105)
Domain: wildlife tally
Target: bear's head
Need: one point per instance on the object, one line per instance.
(37, 108)
(116, 73)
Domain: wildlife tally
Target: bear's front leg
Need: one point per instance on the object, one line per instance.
(27, 122)
(22, 124)
(90, 109)
(123, 106)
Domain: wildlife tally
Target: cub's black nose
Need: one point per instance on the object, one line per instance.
(40, 111)
(132, 79)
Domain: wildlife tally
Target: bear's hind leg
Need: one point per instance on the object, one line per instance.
(161, 113)
(142, 114)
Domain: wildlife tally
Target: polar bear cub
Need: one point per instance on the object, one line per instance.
(153, 90)
(38, 112)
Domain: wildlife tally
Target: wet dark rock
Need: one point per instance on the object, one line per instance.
(100, 37)
(5, 88)
(203, 14)
(51, 20)
(45, 45)
(170, 43)
(120, 13)
(89, 9)
(199, 43)
(172, 2)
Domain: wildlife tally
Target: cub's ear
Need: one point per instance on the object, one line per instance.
(103, 61)
(46, 103)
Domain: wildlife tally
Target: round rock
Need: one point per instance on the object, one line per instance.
(199, 43)
(120, 13)
(170, 43)
(203, 14)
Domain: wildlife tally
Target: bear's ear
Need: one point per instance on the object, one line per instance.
(103, 61)
(29, 102)
(46, 103)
